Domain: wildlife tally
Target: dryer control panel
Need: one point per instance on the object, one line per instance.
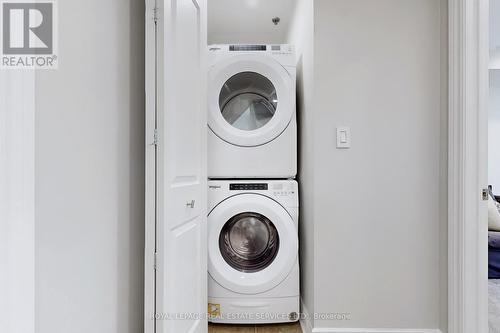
(283, 53)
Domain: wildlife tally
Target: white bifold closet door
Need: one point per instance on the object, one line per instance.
(176, 167)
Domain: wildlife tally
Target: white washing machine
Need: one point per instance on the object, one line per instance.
(252, 126)
(253, 267)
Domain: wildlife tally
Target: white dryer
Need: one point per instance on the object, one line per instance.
(252, 128)
(253, 267)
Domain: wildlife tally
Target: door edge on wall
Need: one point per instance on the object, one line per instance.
(467, 218)
(150, 169)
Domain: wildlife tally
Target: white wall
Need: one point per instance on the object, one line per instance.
(494, 131)
(374, 217)
(89, 200)
(494, 34)
(494, 98)
(248, 21)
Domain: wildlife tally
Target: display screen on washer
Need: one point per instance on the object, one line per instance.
(247, 47)
(248, 187)
(248, 101)
(249, 242)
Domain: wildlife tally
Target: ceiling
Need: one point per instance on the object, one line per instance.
(248, 21)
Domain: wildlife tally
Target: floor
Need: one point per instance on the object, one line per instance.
(494, 305)
(277, 328)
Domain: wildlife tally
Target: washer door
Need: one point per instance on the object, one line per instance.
(249, 99)
(252, 243)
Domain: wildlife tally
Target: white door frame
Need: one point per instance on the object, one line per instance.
(467, 222)
(17, 200)
(150, 169)
(467, 216)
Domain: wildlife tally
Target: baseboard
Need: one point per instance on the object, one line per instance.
(306, 324)
(305, 319)
(373, 330)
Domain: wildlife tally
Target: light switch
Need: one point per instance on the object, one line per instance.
(343, 137)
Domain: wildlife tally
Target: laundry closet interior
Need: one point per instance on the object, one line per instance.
(297, 172)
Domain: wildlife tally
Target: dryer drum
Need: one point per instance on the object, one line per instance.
(248, 101)
(249, 242)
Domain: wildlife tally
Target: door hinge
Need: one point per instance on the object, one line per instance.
(155, 138)
(155, 14)
(485, 194)
(155, 261)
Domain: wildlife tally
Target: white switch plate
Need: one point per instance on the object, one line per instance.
(343, 137)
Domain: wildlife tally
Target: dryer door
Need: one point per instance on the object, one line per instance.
(251, 100)
(252, 243)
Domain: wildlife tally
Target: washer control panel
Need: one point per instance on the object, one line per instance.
(285, 192)
(248, 187)
(283, 189)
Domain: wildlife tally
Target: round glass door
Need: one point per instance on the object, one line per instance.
(252, 243)
(248, 101)
(249, 242)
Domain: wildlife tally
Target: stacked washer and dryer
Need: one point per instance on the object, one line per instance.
(253, 267)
